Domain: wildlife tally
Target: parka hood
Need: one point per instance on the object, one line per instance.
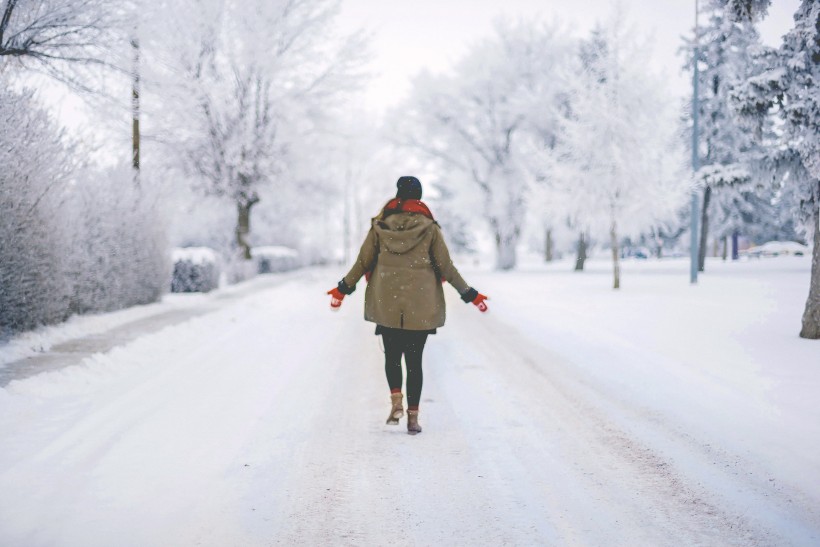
(402, 232)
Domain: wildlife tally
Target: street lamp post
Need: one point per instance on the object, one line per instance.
(693, 253)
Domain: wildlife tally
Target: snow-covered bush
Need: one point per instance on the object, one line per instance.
(71, 240)
(33, 241)
(120, 255)
(196, 269)
(274, 259)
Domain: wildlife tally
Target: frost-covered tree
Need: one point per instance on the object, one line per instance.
(618, 160)
(549, 102)
(737, 203)
(726, 49)
(58, 36)
(476, 120)
(746, 10)
(253, 78)
(790, 86)
(560, 167)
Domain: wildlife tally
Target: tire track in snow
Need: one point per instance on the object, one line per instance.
(668, 506)
(364, 483)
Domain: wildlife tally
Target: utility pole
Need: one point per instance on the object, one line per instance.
(693, 252)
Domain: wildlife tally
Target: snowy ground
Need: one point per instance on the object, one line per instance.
(570, 414)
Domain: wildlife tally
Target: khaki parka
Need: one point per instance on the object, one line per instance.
(408, 258)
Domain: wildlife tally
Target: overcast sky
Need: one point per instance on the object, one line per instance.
(411, 35)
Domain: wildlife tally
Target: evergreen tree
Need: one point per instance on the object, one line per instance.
(789, 85)
(726, 57)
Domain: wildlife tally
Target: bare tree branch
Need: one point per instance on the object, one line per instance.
(57, 32)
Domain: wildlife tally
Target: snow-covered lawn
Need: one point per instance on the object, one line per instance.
(722, 357)
(570, 414)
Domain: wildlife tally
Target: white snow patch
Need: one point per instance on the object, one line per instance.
(195, 255)
(659, 414)
(275, 250)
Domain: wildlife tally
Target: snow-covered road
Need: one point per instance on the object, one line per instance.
(262, 423)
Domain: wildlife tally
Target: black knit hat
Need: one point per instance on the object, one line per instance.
(408, 188)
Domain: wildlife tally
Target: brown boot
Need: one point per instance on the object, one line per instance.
(413, 426)
(396, 410)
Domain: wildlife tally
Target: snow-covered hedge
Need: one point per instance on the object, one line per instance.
(71, 240)
(120, 249)
(196, 269)
(33, 160)
(273, 259)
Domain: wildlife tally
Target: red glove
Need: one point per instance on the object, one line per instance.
(336, 298)
(479, 302)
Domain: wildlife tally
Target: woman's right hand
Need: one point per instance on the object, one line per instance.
(336, 298)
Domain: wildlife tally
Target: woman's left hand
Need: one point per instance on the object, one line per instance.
(479, 302)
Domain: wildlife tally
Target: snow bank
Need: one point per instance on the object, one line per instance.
(43, 339)
(275, 258)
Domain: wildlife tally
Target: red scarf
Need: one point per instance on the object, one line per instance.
(397, 205)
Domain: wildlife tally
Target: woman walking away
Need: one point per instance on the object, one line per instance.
(405, 260)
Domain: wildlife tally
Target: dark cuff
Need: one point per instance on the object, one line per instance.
(344, 289)
(470, 295)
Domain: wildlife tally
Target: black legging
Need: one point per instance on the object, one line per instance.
(411, 344)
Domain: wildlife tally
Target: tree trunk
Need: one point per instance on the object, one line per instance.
(548, 246)
(582, 253)
(616, 265)
(658, 243)
(811, 317)
(704, 228)
(135, 109)
(735, 250)
(243, 226)
(505, 250)
(725, 253)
